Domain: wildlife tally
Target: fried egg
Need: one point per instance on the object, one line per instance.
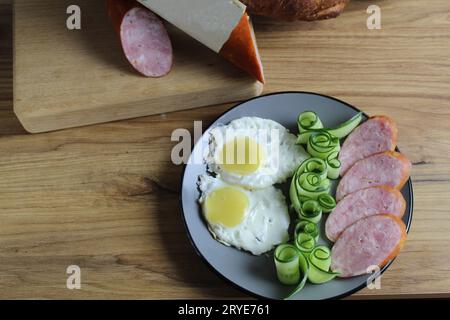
(253, 152)
(251, 220)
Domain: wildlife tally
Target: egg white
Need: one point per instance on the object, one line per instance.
(276, 167)
(264, 225)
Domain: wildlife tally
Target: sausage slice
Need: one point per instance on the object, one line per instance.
(374, 240)
(388, 168)
(144, 38)
(362, 204)
(377, 134)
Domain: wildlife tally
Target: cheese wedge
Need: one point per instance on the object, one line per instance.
(221, 25)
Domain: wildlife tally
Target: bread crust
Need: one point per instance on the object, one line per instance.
(290, 10)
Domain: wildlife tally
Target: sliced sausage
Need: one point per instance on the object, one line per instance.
(374, 240)
(361, 204)
(144, 38)
(376, 135)
(388, 168)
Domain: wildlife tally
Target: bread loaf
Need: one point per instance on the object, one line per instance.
(289, 10)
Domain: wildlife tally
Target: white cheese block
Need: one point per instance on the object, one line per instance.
(208, 21)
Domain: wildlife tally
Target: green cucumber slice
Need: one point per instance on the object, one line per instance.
(309, 182)
(310, 211)
(314, 165)
(286, 259)
(304, 270)
(333, 165)
(293, 194)
(311, 185)
(318, 276)
(321, 144)
(308, 228)
(308, 120)
(326, 202)
(304, 242)
(347, 127)
(340, 131)
(320, 262)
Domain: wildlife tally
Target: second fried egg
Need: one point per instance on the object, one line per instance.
(252, 220)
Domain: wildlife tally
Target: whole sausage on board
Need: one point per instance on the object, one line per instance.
(221, 25)
(242, 51)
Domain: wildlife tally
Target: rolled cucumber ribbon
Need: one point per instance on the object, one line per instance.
(292, 267)
(321, 144)
(309, 182)
(293, 194)
(308, 120)
(333, 165)
(339, 132)
(310, 185)
(314, 165)
(304, 242)
(308, 228)
(286, 258)
(319, 265)
(321, 258)
(310, 211)
(326, 202)
(304, 271)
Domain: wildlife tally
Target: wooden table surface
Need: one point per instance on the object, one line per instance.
(105, 197)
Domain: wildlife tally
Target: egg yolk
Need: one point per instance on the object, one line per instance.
(226, 206)
(241, 155)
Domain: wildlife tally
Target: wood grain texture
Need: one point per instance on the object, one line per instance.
(105, 197)
(68, 78)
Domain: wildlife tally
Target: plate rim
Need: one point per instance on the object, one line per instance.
(230, 281)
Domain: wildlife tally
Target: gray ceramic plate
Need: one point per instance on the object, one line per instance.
(256, 275)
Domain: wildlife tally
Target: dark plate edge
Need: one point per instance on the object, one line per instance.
(237, 286)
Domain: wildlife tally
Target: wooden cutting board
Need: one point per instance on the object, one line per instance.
(67, 78)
